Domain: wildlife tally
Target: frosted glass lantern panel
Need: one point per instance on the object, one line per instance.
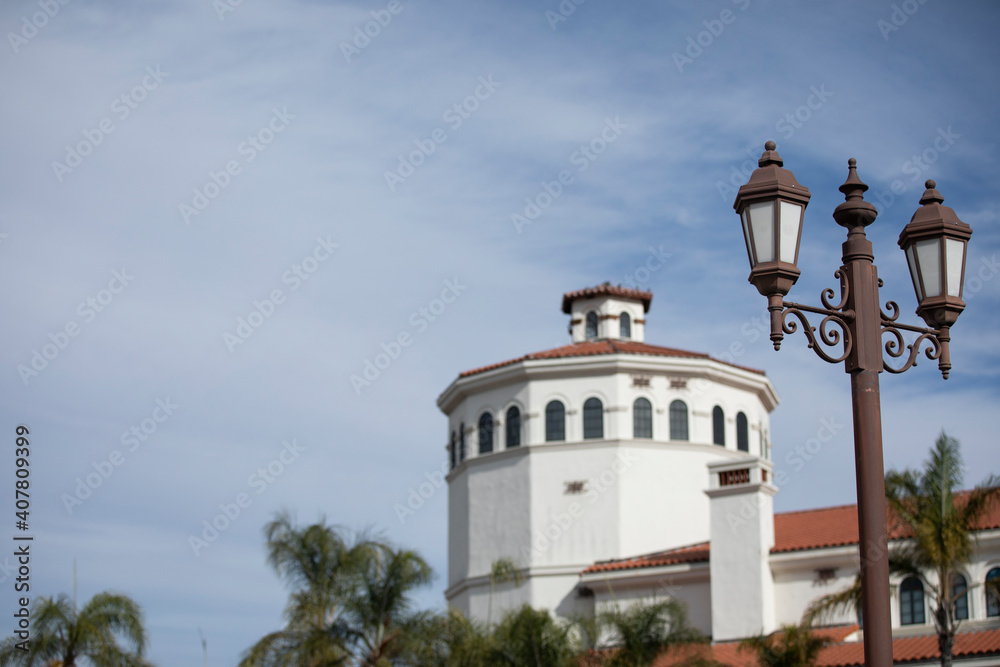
(914, 275)
(955, 252)
(746, 238)
(791, 215)
(762, 226)
(929, 259)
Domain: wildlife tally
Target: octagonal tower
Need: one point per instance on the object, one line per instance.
(592, 451)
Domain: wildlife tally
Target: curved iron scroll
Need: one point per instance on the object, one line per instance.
(894, 348)
(828, 293)
(828, 337)
(893, 308)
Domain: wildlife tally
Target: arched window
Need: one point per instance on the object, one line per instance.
(959, 588)
(451, 450)
(911, 602)
(742, 433)
(555, 421)
(461, 442)
(593, 419)
(485, 433)
(624, 325)
(642, 418)
(513, 427)
(718, 426)
(678, 420)
(992, 599)
(591, 325)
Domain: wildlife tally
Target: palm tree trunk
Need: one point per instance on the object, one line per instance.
(489, 611)
(946, 642)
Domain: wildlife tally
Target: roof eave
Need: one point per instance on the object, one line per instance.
(524, 369)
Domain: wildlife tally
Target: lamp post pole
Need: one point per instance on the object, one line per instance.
(864, 365)
(772, 206)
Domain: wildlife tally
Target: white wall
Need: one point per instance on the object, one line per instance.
(742, 539)
(694, 595)
(797, 583)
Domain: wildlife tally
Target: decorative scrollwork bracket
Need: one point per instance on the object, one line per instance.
(823, 336)
(785, 313)
(896, 347)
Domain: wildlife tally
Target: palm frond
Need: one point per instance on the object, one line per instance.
(828, 607)
(790, 646)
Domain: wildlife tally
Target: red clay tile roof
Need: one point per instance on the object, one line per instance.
(838, 526)
(793, 531)
(846, 654)
(816, 529)
(598, 347)
(607, 289)
(694, 553)
(729, 653)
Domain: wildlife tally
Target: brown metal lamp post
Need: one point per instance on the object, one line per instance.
(771, 206)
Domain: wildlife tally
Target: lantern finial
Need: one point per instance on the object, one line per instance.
(853, 187)
(855, 211)
(931, 195)
(770, 155)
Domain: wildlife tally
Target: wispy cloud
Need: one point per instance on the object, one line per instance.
(323, 176)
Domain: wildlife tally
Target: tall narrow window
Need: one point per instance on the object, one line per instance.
(642, 418)
(513, 427)
(461, 442)
(992, 599)
(555, 422)
(742, 433)
(593, 419)
(960, 588)
(452, 453)
(718, 426)
(485, 433)
(678, 420)
(591, 325)
(624, 326)
(911, 602)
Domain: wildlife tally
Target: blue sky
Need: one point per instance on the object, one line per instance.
(231, 162)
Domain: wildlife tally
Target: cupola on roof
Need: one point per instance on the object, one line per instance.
(607, 289)
(607, 312)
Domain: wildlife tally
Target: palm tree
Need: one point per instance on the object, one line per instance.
(108, 632)
(941, 523)
(461, 642)
(320, 566)
(791, 646)
(529, 637)
(643, 631)
(502, 570)
(381, 624)
(350, 600)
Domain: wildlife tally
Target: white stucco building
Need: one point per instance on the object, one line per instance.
(610, 469)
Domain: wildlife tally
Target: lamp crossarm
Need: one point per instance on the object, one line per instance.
(818, 337)
(895, 346)
(822, 335)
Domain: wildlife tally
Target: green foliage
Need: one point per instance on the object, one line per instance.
(835, 604)
(108, 632)
(531, 638)
(791, 646)
(641, 631)
(349, 602)
(501, 571)
(462, 642)
(350, 605)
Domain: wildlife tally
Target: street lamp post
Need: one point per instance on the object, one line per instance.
(771, 206)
